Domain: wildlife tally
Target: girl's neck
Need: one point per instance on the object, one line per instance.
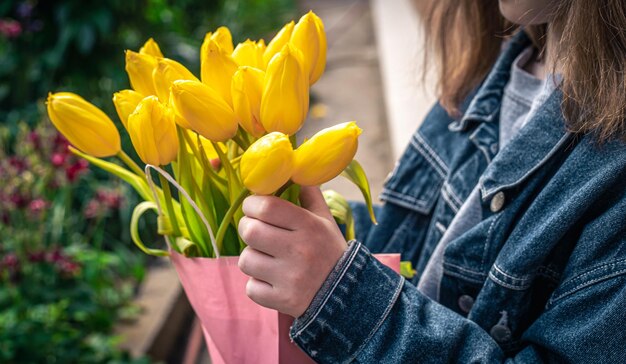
(545, 62)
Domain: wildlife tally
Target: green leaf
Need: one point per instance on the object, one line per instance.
(406, 269)
(355, 174)
(341, 211)
(138, 183)
(139, 210)
(188, 247)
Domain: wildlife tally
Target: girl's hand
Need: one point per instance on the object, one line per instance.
(291, 250)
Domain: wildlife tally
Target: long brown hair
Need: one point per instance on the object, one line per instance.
(467, 37)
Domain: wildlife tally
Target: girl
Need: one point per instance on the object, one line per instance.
(509, 201)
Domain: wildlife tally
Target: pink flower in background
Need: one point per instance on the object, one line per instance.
(58, 159)
(37, 206)
(10, 28)
(76, 169)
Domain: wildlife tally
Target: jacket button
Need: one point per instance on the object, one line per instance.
(500, 333)
(497, 202)
(465, 303)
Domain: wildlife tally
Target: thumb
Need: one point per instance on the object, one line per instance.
(311, 198)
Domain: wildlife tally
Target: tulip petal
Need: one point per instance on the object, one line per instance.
(278, 42)
(250, 54)
(139, 68)
(83, 124)
(204, 110)
(153, 132)
(125, 102)
(151, 48)
(267, 164)
(217, 69)
(285, 100)
(165, 73)
(309, 37)
(247, 88)
(326, 154)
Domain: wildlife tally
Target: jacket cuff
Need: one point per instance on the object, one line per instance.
(352, 304)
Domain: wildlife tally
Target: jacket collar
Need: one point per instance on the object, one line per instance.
(538, 141)
(485, 103)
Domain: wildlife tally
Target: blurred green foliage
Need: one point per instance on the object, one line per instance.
(68, 271)
(78, 45)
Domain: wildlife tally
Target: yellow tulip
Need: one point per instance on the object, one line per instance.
(139, 68)
(267, 164)
(250, 53)
(125, 103)
(285, 100)
(166, 72)
(204, 110)
(309, 37)
(223, 38)
(278, 42)
(217, 69)
(151, 48)
(326, 154)
(247, 88)
(153, 132)
(83, 124)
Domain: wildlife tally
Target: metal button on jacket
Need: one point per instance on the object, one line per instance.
(465, 303)
(497, 202)
(500, 333)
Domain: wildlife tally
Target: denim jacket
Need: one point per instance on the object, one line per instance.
(542, 278)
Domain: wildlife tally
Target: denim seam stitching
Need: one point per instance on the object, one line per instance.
(314, 316)
(421, 203)
(507, 285)
(396, 294)
(587, 273)
(423, 151)
(447, 198)
(511, 277)
(438, 160)
(487, 193)
(587, 284)
(449, 190)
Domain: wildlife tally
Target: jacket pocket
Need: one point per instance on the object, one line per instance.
(416, 181)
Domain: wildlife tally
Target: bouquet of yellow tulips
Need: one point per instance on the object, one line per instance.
(224, 135)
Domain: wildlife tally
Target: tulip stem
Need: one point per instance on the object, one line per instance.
(165, 185)
(240, 142)
(229, 216)
(130, 163)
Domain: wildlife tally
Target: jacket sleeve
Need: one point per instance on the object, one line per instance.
(367, 313)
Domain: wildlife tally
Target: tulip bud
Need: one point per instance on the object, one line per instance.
(267, 164)
(285, 100)
(153, 132)
(83, 124)
(278, 42)
(217, 69)
(151, 48)
(309, 37)
(204, 110)
(125, 103)
(326, 154)
(166, 72)
(222, 37)
(250, 53)
(139, 68)
(247, 88)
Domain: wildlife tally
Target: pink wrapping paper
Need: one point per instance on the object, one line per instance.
(236, 329)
